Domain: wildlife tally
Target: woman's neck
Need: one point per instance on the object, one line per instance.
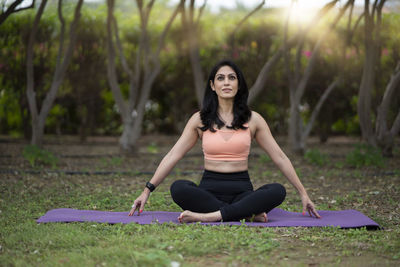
(225, 106)
(225, 110)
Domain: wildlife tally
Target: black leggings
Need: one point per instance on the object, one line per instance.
(231, 193)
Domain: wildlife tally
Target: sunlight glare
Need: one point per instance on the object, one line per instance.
(302, 13)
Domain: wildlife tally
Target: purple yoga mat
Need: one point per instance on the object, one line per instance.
(276, 218)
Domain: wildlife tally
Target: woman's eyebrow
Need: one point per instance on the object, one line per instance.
(220, 74)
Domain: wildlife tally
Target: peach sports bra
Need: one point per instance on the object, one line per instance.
(227, 145)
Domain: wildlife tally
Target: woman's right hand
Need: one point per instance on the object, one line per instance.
(139, 203)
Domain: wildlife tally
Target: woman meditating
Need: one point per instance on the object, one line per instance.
(226, 127)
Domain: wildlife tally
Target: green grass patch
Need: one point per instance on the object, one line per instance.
(24, 243)
(37, 156)
(365, 155)
(314, 156)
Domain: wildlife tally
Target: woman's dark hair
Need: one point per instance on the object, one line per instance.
(209, 111)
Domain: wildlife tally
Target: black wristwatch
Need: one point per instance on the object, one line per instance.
(150, 186)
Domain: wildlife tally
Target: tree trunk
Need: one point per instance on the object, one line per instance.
(263, 75)
(317, 109)
(31, 95)
(125, 139)
(296, 143)
(146, 69)
(298, 83)
(371, 42)
(364, 97)
(385, 137)
(39, 118)
(37, 132)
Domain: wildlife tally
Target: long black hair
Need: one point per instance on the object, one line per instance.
(209, 111)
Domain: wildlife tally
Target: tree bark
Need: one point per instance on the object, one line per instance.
(39, 119)
(263, 75)
(317, 109)
(382, 136)
(191, 28)
(31, 95)
(297, 85)
(141, 78)
(368, 78)
(13, 9)
(385, 136)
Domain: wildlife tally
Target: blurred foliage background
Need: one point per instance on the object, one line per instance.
(85, 105)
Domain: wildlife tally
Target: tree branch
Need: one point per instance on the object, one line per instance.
(190, 30)
(25, 8)
(263, 75)
(120, 49)
(396, 125)
(13, 9)
(317, 108)
(191, 13)
(392, 86)
(308, 71)
(133, 83)
(29, 64)
(111, 68)
(356, 26)
(232, 35)
(265, 71)
(62, 35)
(286, 49)
(200, 12)
(167, 27)
(315, 20)
(62, 68)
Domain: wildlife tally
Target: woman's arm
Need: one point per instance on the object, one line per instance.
(267, 142)
(187, 140)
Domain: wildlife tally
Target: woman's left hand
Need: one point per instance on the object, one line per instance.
(309, 206)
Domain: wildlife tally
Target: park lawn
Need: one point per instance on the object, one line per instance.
(375, 191)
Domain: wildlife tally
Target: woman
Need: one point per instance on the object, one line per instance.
(226, 127)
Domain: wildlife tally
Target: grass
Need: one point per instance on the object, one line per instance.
(314, 156)
(26, 243)
(25, 197)
(39, 157)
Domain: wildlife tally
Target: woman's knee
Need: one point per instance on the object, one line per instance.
(275, 189)
(280, 191)
(180, 187)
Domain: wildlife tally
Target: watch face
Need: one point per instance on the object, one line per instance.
(150, 186)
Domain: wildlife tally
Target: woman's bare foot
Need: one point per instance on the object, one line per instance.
(189, 216)
(262, 217)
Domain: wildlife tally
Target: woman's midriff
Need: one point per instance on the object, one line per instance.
(225, 166)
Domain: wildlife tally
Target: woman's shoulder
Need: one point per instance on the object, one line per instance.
(255, 117)
(195, 120)
(256, 121)
(196, 116)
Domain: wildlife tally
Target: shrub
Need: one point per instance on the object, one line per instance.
(314, 156)
(36, 155)
(365, 155)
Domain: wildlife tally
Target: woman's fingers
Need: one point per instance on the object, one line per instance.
(134, 208)
(314, 211)
(141, 207)
(131, 212)
(311, 210)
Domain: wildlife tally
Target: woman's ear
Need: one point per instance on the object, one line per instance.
(212, 85)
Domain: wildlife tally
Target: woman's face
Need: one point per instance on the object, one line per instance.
(225, 83)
